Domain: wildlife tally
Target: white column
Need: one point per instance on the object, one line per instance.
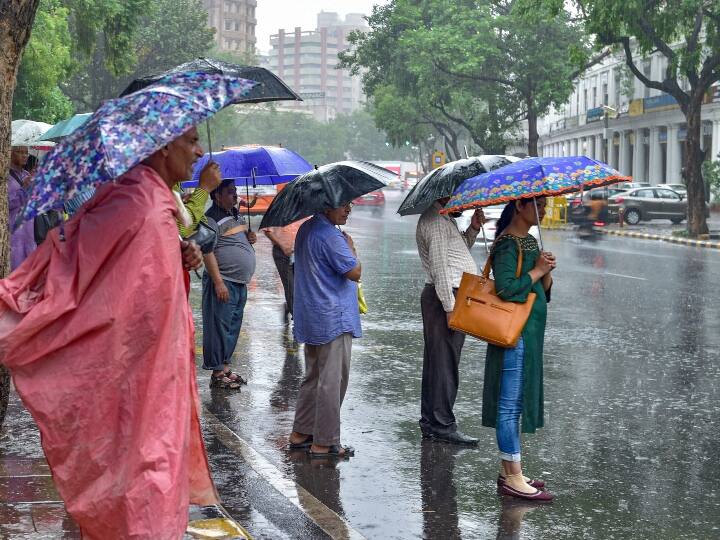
(599, 141)
(624, 165)
(715, 146)
(638, 166)
(672, 175)
(655, 174)
(582, 150)
(613, 151)
(573, 147)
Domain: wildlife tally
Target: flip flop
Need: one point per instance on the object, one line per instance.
(307, 443)
(334, 452)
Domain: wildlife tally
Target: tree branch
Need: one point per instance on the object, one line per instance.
(592, 62)
(659, 43)
(482, 78)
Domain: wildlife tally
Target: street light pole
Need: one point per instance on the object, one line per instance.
(606, 131)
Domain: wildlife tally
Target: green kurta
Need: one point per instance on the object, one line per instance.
(510, 288)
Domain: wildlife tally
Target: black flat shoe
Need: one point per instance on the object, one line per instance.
(334, 452)
(456, 437)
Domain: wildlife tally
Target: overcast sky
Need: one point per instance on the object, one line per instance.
(287, 14)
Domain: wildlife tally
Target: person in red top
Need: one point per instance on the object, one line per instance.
(283, 251)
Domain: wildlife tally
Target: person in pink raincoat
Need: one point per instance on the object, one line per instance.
(98, 335)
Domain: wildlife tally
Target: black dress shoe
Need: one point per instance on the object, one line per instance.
(456, 437)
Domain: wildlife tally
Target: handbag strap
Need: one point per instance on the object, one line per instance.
(488, 263)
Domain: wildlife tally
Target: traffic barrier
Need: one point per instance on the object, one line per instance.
(556, 210)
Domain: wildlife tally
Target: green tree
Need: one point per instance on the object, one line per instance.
(170, 32)
(481, 65)
(687, 34)
(351, 136)
(45, 63)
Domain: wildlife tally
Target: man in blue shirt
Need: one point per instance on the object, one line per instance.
(327, 318)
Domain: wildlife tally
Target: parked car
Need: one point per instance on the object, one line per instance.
(375, 198)
(644, 204)
(631, 185)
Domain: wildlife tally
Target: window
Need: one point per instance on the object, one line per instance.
(228, 24)
(667, 194)
(645, 194)
(585, 102)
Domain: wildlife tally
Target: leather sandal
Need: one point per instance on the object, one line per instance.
(307, 443)
(334, 452)
(235, 377)
(223, 382)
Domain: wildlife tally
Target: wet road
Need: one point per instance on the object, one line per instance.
(631, 387)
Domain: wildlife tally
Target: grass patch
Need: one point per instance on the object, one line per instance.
(681, 234)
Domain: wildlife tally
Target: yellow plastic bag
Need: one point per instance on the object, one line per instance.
(362, 304)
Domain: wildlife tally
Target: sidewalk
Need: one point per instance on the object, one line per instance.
(30, 507)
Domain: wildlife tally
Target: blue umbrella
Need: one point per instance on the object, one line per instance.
(65, 127)
(124, 131)
(257, 165)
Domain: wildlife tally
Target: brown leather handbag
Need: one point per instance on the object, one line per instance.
(481, 313)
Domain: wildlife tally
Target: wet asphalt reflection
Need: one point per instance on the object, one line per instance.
(631, 392)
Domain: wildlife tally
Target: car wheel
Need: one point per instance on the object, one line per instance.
(677, 220)
(632, 216)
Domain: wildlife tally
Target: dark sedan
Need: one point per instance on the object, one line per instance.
(644, 204)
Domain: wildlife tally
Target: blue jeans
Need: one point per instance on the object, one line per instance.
(221, 322)
(510, 404)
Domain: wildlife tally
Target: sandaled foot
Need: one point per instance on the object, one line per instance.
(234, 377)
(537, 484)
(334, 451)
(300, 444)
(221, 381)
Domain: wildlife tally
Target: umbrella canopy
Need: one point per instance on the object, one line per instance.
(443, 181)
(533, 177)
(28, 133)
(252, 164)
(65, 127)
(124, 131)
(329, 186)
(269, 88)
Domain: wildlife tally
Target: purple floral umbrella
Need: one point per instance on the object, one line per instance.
(124, 131)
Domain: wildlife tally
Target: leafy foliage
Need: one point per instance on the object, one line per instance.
(477, 66)
(45, 63)
(351, 136)
(169, 33)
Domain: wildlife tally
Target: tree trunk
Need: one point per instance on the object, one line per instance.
(533, 136)
(692, 173)
(15, 25)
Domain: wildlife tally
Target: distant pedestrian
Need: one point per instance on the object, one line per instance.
(22, 238)
(513, 383)
(283, 252)
(228, 270)
(327, 318)
(445, 254)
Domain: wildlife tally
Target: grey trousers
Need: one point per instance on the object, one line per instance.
(322, 391)
(287, 276)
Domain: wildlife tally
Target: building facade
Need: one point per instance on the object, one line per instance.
(307, 61)
(642, 133)
(234, 23)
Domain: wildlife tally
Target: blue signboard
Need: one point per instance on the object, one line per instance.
(660, 102)
(594, 114)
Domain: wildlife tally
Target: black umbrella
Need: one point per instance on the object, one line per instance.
(329, 186)
(270, 87)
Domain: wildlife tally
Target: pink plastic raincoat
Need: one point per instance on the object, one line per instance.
(98, 335)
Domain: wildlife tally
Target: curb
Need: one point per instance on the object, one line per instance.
(671, 239)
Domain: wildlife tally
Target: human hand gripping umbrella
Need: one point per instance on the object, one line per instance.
(531, 178)
(124, 131)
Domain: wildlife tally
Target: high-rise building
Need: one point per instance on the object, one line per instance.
(234, 23)
(307, 61)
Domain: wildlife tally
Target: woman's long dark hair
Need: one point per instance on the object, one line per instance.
(507, 215)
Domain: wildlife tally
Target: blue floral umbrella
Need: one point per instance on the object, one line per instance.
(531, 178)
(124, 131)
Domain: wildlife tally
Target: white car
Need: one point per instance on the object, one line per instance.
(492, 215)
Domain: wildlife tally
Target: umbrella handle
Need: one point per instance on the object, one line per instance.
(247, 201)
(537, 217)
(207, 125)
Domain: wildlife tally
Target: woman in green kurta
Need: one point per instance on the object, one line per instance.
(513, 385)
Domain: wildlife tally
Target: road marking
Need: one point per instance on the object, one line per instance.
(332, 523)
(624, 276)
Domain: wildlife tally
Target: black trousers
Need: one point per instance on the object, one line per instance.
(287, 276)
(441, 359)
